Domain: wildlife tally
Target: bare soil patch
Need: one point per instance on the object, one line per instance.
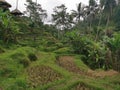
(1, 88)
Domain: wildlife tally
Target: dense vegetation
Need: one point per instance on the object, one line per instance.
(74, 50)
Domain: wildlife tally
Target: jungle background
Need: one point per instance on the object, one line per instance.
(79, 50)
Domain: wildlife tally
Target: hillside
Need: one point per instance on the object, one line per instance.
(29, 69)
(70, 50)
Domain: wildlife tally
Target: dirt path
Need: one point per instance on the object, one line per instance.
(1, 88)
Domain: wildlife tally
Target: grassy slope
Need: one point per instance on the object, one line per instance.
(14, 76)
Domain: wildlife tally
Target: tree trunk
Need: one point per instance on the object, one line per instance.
(5, 37)
(96, 38)
(90, 24)
(108, 20)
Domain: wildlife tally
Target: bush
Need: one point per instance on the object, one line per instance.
(7, 72)
(50, 49)
(32, 57)
(93, 52)
(1, 50)
(78, 42)
(59, 45)
(64, 50)
(21, 58)
(96, 55)
(9, 28)
(25, 62)
(17, 55)
(19, 84)
(114, 46)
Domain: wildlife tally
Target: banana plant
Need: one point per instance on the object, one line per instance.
(9, 28)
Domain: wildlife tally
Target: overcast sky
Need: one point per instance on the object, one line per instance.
(48, 4)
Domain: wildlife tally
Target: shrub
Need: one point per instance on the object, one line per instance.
(96, 55)
(59, 45)
(17, 55)
(64, 50)
(9, 71)
(93, 52)
(1, 50)
(25, 62)
(19, 84)
(32, 57)
(21, 58)
(9, 28)
(114, 45)
(50, 49)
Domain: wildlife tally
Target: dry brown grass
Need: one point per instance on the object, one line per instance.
(41, 75)
(67, 62)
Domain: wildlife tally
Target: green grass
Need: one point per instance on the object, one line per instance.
(13, 75)
(80, 64)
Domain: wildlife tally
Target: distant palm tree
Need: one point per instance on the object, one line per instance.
(109, 5)
(61, 19)
(90, 12)
(100, 10)
(79, 13)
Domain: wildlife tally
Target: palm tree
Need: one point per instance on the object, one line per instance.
(90, 12)
(35, 12)
(92, 2)
(59, 16)
(61, 19)
(79, 13)
(109, 5)
(100, 10)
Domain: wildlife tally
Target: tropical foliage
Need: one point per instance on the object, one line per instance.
(68, 52)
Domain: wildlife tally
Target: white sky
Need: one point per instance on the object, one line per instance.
(48, 4)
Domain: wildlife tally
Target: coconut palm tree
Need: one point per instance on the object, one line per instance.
(109, 5)
(79, 13)
(90, 12)
(35, 12)
(100, 10)
(62, 19)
